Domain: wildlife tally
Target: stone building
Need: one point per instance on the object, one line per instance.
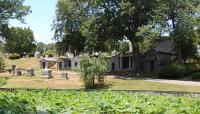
(152, 60)
(61, 63)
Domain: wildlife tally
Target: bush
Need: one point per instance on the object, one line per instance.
(3, 81)
(2, 64)
(174, 71)
(50, 53)
(91, 68)
(196, 75)
(30, 55)
(14, 56)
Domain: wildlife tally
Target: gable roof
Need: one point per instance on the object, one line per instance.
(165, 46)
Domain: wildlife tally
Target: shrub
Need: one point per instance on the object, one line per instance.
(92, 68)
(50, 53)
(3, 81)
(14, 56)
(30, 55)
(174, 71)
(196, 75)
(2, 64)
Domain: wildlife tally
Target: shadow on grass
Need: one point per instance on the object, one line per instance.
(131, 75)
(99, 87)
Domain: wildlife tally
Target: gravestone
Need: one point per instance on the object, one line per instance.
(30, 72)
(64, 75)
(46, 73)
(14, 66)
(37, 55)
(16, 72)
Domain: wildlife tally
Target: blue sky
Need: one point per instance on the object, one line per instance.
(40, 20)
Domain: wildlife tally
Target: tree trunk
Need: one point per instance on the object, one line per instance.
(179, 55)
(136, 57)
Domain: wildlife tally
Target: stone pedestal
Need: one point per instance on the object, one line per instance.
(37, 55)
(64, 75)
(16, 72)
(46, 73)
(14, 66)
(30, 72)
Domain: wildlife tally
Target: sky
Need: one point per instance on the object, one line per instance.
(40, 20)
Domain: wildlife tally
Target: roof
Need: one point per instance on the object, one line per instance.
(164, 46)
(49, 59)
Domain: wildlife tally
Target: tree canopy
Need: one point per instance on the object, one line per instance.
(11, 9)
(100, 25)
(19, 40)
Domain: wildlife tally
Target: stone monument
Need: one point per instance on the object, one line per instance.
(46, 73)
(30, 72)
(64, 75)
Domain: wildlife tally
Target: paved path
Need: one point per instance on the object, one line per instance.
(179, 82)
(190, 83)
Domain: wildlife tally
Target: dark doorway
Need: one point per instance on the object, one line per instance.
(67, 64)
(125, 62)
(152, 62)
(113, 66)
(76, 64)
(43, 65)
(60, 65)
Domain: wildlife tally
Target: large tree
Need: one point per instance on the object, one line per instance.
(11, 9)
(20, 40)
(178, 18)
(70, 15)
(101, 21)
(122, 19)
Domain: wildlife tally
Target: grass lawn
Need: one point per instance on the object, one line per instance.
(74, 81)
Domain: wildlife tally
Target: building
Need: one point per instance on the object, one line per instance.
(61, 63)
(152, 60)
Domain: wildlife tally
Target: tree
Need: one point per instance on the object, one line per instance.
(91, 68)
(123, 19)
(20, 40)
(70, 15)
(40, 47)
(178, 18)
(11, 9)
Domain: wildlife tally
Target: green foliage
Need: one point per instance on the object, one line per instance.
(2, 64)
(196, 75)
(50, 53)
(40, 47)
(14, 56)
(174, 71)
(67, 27)
(91, 68)
(94, 102)
(11, 9)
(2, 81)
(179, 18)
(30, 55)
(123, 47)
(20, 40)
(14, 104)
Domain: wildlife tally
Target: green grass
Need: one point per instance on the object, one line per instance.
(75, 83)
(75, 102)
(2, 81)
(120, 84)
